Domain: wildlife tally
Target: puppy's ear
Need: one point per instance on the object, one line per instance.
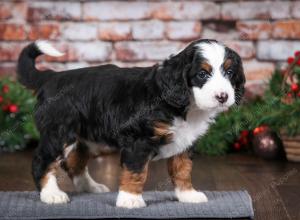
(172, 79)
(239, 83)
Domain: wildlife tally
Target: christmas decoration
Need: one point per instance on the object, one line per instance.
(266, 143)
(16, 116)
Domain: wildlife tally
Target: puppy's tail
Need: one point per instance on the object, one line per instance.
(28, 75)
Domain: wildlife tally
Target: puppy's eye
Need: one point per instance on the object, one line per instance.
(229, 73)
(203, 74)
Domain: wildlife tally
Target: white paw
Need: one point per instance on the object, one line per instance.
(191, 196)
(54, 197)
(129, 200)
(97, 188)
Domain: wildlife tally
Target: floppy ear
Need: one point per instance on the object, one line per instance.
(172, 79)
(239, 83)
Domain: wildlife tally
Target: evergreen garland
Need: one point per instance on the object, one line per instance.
(16, 116)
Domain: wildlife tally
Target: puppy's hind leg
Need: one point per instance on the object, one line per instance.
(75, 163)
(44, 168)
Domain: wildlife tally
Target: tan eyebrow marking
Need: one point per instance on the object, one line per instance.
(227, 64)
(206, 66)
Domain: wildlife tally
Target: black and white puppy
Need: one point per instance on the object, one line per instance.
(147, 113)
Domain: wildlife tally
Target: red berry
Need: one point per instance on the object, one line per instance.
(13, 108)
(237, 146)
(260, 129)
(297, 53)
(294, 87)
(289, 95)
(290, 60)
(5, 108)
(5, 89)
(1, 99)
(244, 133)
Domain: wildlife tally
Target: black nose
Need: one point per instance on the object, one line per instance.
(222, 97)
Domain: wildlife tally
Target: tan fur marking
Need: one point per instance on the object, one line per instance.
(133, 182)
(227, 64)
(180, 168)
(206, 66)
(162, 130)
(76, 161)
(51, 169)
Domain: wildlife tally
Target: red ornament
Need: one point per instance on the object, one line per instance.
(5, 89)
(1, 99)
(237, 146)
(294, 87)
(290, 60)
(13, 108)
(297, 53)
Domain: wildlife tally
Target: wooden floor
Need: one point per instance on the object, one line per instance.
(274, 186)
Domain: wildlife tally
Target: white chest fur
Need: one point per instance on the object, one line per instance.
(185, 132)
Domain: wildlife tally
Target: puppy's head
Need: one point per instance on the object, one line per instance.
(206, 73)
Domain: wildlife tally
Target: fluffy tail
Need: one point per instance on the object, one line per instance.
(28, 75)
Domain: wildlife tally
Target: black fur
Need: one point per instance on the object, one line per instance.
(118, 106)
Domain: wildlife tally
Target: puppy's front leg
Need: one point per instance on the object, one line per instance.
(131, 187)
(180, 168)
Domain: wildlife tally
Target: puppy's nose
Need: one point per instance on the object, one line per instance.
(222, 97)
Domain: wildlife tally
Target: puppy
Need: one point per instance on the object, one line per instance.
(147, 113)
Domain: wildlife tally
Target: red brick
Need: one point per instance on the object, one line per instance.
(79, 31)
(5, 10)
(121, 10)
(276, 50)
(44, 31)
(148, 30)
(296, 9)
(244, 48)
(211, 33)
(7, 69)
(184, 30)
(185, 10)
(115, 10)
(141, 51)
(14, 11)
(254, 30)
(12, 32)
(255, 89)
(10, 51)
(289, 29)
(114, 31)
(280, 9)
(255, 9)
(255, 70)
(92, 51)
(38, 11)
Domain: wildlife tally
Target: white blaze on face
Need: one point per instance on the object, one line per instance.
(205, 97)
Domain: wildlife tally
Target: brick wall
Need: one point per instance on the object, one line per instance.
(140, 33)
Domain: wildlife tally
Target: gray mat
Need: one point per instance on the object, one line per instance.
(160, 205)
